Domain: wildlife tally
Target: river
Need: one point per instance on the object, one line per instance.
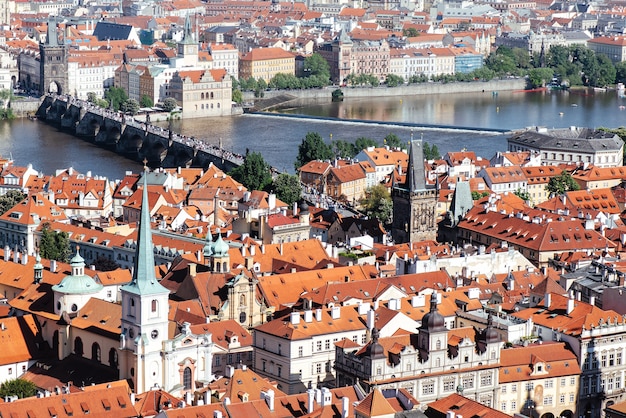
(277, 138)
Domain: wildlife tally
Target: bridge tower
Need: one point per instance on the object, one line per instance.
(53, 63)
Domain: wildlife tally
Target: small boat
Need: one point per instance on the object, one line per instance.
(574, 105)
(622, 107)
(561, 113)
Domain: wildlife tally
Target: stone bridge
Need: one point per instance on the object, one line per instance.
(130, 138)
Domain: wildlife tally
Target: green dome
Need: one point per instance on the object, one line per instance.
(220, 248)
(78, 282)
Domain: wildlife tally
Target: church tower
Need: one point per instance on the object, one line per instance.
(187, 51)
(432, 337)
(414, 203)
(52, 63)
(144, 314)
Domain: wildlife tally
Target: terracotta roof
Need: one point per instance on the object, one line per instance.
(464, 407)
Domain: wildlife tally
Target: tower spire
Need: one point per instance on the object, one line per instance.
(144, 278)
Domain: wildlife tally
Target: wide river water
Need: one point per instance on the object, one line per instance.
(277, 138)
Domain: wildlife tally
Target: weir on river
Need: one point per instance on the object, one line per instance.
(139, 141)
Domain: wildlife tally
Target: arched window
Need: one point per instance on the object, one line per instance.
(78, 346)
(187, 378)
(131, 306)
(155, 305)
(242, 300)
(242, 317)
(113, 357)
(218, 266)
(55, 343)
(95, 352)
(224, 269)
(202, 96)
(218, 105)
(211, 95)
(438, 344)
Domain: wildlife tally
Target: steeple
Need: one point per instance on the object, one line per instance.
(416, 177)
(188, 36)
(144, 279)
(51, 36)
(208, 246)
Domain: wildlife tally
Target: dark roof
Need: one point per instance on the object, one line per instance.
(582, 139)
(112, 31)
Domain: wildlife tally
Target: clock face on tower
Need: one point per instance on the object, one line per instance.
(154, 334)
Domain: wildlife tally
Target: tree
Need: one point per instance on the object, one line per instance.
(237, 96)
(116, 96)
(54, 245)
(562, 183)
(522, 194)
(254, 173)
(315, 65)
(620, 72)
(169, 104)
(10, 199)
(287, 188)
(431, 152)
(146, 101)
(104, 264)
(539, 77)
(393, 80)
(343, 149)
(130, 106)
(478, 195)
(312, 148)
(337, 95)
(363, 142)
(410, 32)
(21, 388)
(377, 203)
(393, 141)
(91, 97)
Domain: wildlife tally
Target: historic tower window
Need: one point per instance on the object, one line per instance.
(187, 378)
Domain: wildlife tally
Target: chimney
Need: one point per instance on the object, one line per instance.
(16, 256)
(308, 316)
(53, 266)
(547, 300)
(25, 259)
(335, 312)
(199, 256)
(592, 300)
(570, 305)
(310, 404)
(269, 399)
(271, 201)
(364, 308)
(371, 319)
(318, 315)
(295, 318)
(450, 414)
(327, 397)
(217, 414)
(243, 251)
(345, 407)
(253, 250)
(188, 398)
(418, 301)
(192, 269)
(230, 371)
(7, 253)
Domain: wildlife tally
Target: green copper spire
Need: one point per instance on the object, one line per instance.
(188, 35)
(144, 279)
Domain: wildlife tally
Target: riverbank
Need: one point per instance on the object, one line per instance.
(306, 97)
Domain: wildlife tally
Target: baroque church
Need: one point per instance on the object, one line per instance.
(79, 316)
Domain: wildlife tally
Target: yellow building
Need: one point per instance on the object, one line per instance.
(202, 93)
(265, 63)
